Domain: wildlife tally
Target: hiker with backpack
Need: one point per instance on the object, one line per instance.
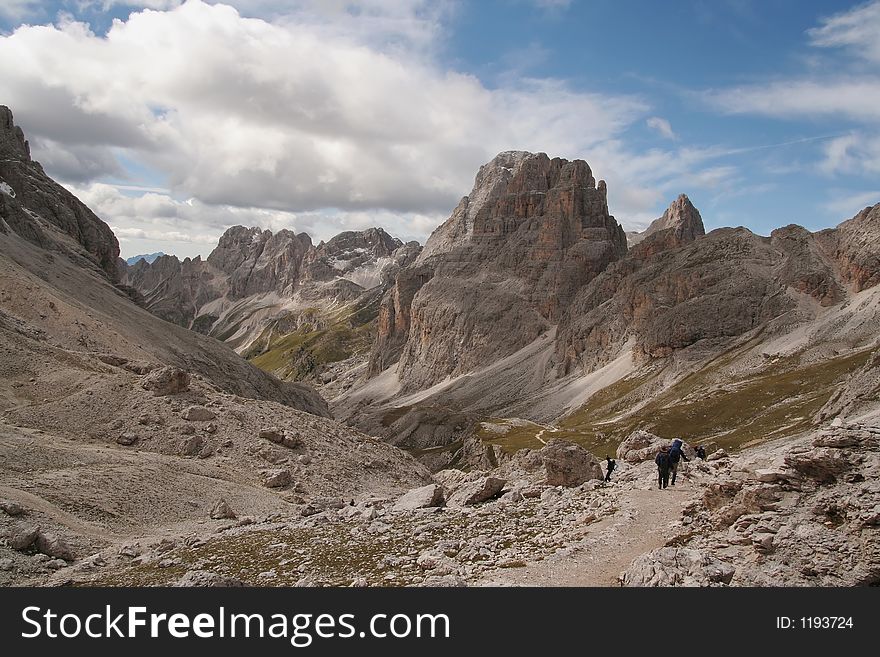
(662, 461)
(611, 465)
(676, 454)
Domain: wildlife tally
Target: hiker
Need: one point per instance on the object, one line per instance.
(662, 461)
(611, 465)
(701, 452)
(675, 455)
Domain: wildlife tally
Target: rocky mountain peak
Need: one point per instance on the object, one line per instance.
(13, 145)
(681, 216)
(515, 184)
(681, 223)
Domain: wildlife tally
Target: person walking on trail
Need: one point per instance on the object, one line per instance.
(662, 461)
(701, 452)
(611, 465)
(676, 454)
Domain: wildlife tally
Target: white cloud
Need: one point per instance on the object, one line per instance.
(852, 98)
(662, 126)
(291, 116)
(856, 29)
(853, 153)
(154, 220)
(845, 204)
(18, 9)
(288, 117)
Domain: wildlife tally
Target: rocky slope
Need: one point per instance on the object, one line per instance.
(513, 254)
(267, 295)
(35, 207)
(115, 424)
(671, 336)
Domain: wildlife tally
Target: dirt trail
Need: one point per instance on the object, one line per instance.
(642, 523)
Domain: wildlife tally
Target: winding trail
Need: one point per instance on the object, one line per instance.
(642, 523)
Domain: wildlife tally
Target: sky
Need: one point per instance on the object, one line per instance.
(175, 120)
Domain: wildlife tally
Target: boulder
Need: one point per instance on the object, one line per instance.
(420, 498)
(21, 537)
(192, 446)
(670, 566)
(11, 507)
(640, 446)
(568, 464)
(823, 464)
(286, 438)
(717, 455)
(474, 492)
(198, 414)
(222, 511)
(277, 479)
(166, 381)
(127, 439)
(54, 546)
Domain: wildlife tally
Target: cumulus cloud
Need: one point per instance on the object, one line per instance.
(244, 112)
(662, 126)
(155, 220)
(334, 115)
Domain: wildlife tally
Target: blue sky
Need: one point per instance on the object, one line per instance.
(175, 122)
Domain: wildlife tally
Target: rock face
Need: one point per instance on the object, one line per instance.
(166, 381)
(854, 245)
(30, 199)
(670, 566)
(513, 253)
(680, 224)
(420, 498)
(710, 289)
(568, 464)
(257, 289)
(809, 517)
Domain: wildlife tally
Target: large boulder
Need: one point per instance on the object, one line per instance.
(21, 537)
(54, 546)
(198, 414)
(222, 511)
(166, 381)
(474, 492)
(640, 446)
(277, 479)
(568, 464)
(420, 498)
(670, 566)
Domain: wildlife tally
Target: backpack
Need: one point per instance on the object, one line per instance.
(662, 459)
(675, 452)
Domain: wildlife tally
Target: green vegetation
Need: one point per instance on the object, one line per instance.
(780, 401)
(319, 340)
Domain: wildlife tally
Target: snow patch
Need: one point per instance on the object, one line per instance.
(6, 189)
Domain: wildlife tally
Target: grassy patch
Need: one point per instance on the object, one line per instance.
(300, 354)
(780, 401)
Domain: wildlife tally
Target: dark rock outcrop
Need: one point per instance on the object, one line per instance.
(30, 201)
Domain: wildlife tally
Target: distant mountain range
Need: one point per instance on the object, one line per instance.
(149, 257)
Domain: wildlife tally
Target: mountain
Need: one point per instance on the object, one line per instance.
(530, 310)
(147, 257)
(115, 423)
(293, 307)
(512, 324)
